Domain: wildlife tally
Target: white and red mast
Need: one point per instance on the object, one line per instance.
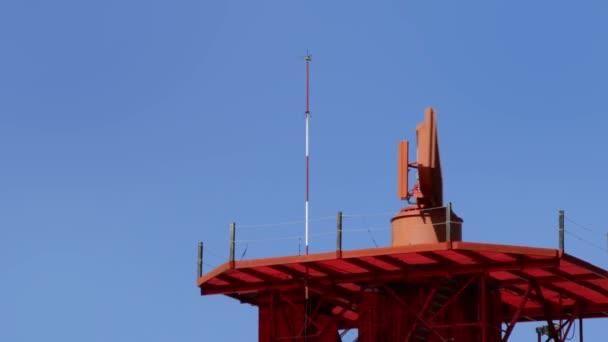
(308, 58)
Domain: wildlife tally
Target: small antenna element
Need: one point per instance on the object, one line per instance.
(308, 58)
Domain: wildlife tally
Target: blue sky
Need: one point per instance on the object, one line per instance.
(130, 130)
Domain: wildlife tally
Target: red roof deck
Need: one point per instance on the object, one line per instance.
(569, 284)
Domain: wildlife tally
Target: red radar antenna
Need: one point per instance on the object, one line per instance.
(428, 191)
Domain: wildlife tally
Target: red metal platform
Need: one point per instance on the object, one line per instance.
(535, 284)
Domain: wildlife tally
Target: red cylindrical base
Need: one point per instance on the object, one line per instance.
(413, 226)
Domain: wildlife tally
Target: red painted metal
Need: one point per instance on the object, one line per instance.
(428, 191)
(510, 272)
(517, 314)
(413, 226)
(429, 165)
(402, 171)
(568, 324)
(426, 221)
(422, 288)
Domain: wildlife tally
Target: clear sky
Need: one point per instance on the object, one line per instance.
(130, 130)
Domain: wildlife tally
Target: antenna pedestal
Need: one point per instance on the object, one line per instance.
(414, 226)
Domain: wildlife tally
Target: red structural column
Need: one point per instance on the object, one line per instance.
(484, 311)
(281, 318)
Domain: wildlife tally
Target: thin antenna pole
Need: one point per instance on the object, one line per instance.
(448, 219)
(561, 230)
(339, 235)
(308, 58)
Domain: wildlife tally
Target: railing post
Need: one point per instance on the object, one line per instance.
(339, 235)
(232, 243)
(561, 230)
(448, 222)
(199, 272)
